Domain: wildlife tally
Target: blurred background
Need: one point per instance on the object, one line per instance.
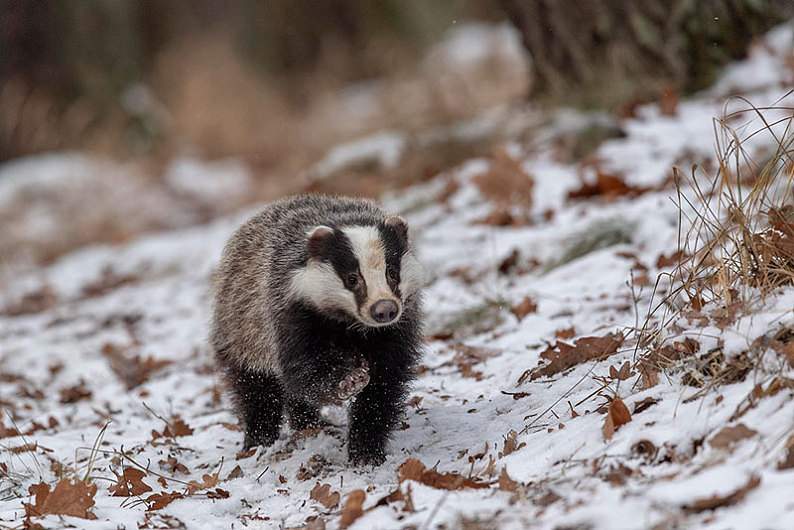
(119, 118)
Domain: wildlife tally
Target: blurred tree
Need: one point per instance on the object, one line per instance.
(598, 52)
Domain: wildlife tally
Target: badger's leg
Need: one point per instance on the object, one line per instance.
(373, 416)
(303, 415)
(260, 402)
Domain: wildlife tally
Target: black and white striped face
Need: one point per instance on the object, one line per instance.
(366, 272)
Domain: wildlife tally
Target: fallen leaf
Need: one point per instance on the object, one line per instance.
(511, 444)
(621, 374)
(313, 467)
(237, 472)
(505, 482)
(131, 370)
(172, 465)
(664, 260)
(525, 307)
(24, 448)
(353, 508)
(563, 355)
(717, 501)
(246, 454)
(649, 375)
(565, 334)
(218, 493)
(311, 524)
(644, 404)
(617, 414)
(160, 500)
(547, 499)
(130, 483)
(68, 498)
(207, 482)
(607, 186)
(74, 393)
(324, 495)
(174, 428)
(413, 469)
(730, 435)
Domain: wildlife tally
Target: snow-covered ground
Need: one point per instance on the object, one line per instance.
(104, 365)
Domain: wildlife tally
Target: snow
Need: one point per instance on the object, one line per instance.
(456, 423)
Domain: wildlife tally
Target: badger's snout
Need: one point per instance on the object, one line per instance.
(384, 311)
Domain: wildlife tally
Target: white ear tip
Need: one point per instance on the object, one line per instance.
(320, 231)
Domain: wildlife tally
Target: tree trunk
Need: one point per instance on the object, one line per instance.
(604, 52)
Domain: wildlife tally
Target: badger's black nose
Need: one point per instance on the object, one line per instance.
(384, 311)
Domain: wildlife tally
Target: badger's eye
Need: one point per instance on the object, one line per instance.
(392, 274)
(352, 280)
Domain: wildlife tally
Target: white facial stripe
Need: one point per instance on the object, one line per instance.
(371, 254)
(411, 275)
(319, 284)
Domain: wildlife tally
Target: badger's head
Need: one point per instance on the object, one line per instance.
(366, 272)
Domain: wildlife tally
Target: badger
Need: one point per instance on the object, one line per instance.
(317, 300)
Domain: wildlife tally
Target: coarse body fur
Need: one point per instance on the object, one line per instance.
(316, 301)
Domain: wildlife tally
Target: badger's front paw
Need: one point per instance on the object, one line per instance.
(353, 383)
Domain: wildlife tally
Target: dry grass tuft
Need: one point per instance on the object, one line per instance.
(738, 250)
(741, 238)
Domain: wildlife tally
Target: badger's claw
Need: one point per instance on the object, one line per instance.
(353, 383)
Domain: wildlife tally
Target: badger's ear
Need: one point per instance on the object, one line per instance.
(319, 239)
(399, 225)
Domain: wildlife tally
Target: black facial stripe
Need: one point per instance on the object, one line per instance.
(395, 245)
(340, 255)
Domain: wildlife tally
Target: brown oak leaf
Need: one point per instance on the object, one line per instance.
(324, 495)
(617, 414)
(68, 498)
(563, 355)
(130, 483)
(718, 501)
(207, 482)
(353, 508)
(413, 469)
(730, 435)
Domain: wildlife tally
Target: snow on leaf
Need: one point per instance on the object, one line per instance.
(324, 495)
(68, 498)
(730, 435)
(130, 483)
(353, 508)
(563, 355)
(617, 414)
(717, 501)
